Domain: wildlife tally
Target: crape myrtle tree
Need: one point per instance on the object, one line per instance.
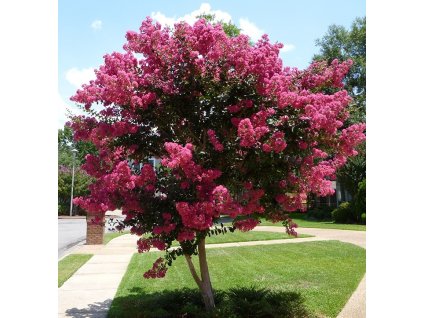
(237, 134)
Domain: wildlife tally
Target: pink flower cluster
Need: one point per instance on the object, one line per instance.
(251, 130)
(290, 227)
(147, 178)
(167, 227)
(180, 161)
(246, 133)
(145, 244)
(144, 101)
(246, 224)
(186, 235)
(351, 137)
(276, 143)
(244, 104)
(252, 198)
(214, 141)
(327, 112)
(316, 178)
(221, 198)
(197, 216)
(292, 201)
(318, 74)
(158, 270)
(115, 81)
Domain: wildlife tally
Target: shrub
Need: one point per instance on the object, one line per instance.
(359, 202)
(321, 213)
(261, 302)
(363, 218)
(343, 213)
(235, 303)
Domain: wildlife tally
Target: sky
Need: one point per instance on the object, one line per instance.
(89, 29)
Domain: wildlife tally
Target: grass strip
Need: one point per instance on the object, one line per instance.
(69, 265)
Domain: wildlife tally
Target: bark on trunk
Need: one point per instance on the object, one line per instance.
(206, 289)
(204, 284)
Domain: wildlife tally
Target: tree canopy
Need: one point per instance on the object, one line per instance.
(235, 132)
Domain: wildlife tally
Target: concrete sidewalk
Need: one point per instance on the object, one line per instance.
(90, 291)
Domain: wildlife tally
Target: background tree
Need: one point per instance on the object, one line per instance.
(81, 188)
(342, 44)
(236, 134)
(229, 28)
(65, 162)
(354, 171)
(66, 144)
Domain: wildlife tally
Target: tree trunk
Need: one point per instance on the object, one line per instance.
(206, 288)
(204, 284)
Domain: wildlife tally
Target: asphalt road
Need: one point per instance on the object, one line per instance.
(71, 232)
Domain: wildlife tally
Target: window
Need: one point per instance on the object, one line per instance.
(152, 162)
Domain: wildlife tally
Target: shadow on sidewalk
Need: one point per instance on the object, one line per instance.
(96, 310)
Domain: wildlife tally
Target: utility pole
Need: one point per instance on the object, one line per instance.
(74, 151)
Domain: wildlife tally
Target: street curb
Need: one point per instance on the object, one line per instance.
(71, 248)
(84, 217)
(72, 217)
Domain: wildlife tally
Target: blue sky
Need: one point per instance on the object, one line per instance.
(90, 29)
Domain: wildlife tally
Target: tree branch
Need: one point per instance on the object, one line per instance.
(193, 271)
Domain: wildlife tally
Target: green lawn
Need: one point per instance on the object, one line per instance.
(238, 236)
(301, 220)
(324, 273)
(69, 265)
(111, 235)
(229, 237)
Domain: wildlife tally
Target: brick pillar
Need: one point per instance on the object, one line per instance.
(95, 231)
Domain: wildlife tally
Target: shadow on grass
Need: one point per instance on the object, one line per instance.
(187, 303)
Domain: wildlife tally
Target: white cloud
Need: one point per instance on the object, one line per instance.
(287, 47)
(162, 19)
(190, 18)
(250, 29)
(77, 77)
(97, 24)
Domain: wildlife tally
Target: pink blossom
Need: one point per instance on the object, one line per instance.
(186, 235)
(158, 270)
(291, 202)
(214, 141)
(246, 224)
(246, 133)
(158, 244)
(144, 245)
